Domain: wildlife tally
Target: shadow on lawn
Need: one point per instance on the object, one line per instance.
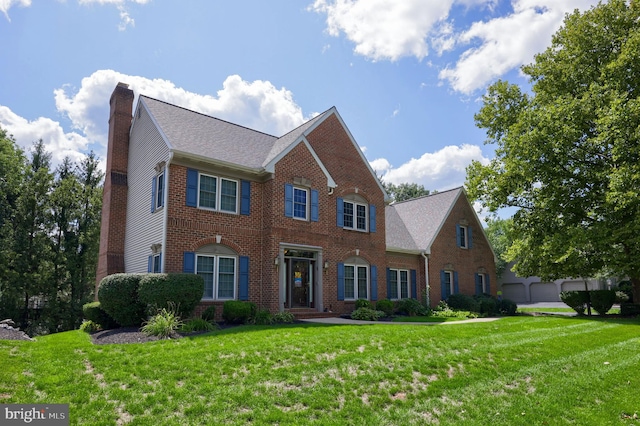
(246, 328)
(613, 318)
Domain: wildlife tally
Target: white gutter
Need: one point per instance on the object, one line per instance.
(165, 214)
(426, 277)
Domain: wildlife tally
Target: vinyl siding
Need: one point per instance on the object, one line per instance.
(146, 150)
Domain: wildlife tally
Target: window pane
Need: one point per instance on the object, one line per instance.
(348, 215)
(208, 191)
(226, 275)
(362, 282)
(160, 191)
(404, 285)
(349, 282)
(228, 195)
(463, 236)
(299, 203)
(156, 263)
(205, 270)
(361, 212)
(393, 285)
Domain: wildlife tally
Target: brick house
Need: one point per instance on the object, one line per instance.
(296, 222)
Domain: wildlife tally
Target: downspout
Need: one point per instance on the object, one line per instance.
(426, 277)
(165, 214)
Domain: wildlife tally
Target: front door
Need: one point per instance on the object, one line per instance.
(300, 282)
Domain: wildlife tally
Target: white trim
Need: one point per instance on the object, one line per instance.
(218, 194)
(307, 204)
(356, 276)
(216, 275)
(399, 283)
(355, 216)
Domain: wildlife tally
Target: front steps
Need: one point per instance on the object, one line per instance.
(309, 313)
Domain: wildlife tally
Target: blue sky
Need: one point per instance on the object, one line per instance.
(406, 76)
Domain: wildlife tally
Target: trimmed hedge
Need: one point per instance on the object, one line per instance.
(463, 302)
(507, 307)
(412, 307)
(181, 291)
(118, 296)
(386, 306)
(94, 313)
(576, 300)
(366, 314)
(629, 309)
(602, 300)
(238, 312)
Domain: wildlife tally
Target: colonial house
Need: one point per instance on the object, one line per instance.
(298, 222)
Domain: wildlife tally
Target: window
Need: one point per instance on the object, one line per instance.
(217, 193)
(160, 190)
(219, 274)
(448, 282)
(300, 204)
(462, 237)
(156, 268)
(482, 285)
(356, 282)
(354, 216)
(398, 284)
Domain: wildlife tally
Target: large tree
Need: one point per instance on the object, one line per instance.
(405, 191)
(568, 153)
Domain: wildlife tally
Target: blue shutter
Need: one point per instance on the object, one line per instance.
(458, 235)
(340, 212)
(388, 283)
(315, 207)
(469, 237)
(340, 281)
(192, 188)
(444, 288)
(160, 261)
(245, 197)
(189, 262)
(414, 284)
(288, 200)
(478, 284)
(154, 182)
(150, 264)
(486, 277)
(374, 282)
(372, 218)
(243, 292)
(456, 290)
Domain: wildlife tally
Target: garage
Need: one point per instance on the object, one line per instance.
(576, 286)
(514, 292)
(544, 292)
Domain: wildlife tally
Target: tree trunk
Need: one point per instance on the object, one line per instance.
(635, 289)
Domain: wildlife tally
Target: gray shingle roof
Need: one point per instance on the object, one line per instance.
(414, 224)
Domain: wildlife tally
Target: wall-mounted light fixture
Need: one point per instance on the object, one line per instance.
(218, 239)
(326, 265)
(276, 261)
(357, 252)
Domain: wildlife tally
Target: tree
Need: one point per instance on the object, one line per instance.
(499, 234)
(568, 154)
(405, 191)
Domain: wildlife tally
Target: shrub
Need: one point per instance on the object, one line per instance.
(89, 326)
(627, 288)
(209, 314)
(262, 317)
(487, 305)
(386, 306)
(450, 313)
(621, 297)
(164, 324)
(118, 296)
(576, 300)
(507, 307)
(602, 300)
(442, 306)
(197, 324)
(630, 309)
(237, 312)
(363, 303)
(463, 302)
(94, 313)
(366, 314)
(412, 307)
(182, 291)
(283, 318)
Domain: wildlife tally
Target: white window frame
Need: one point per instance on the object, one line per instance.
(216, 276)
(398, 283)
(307, 203)
(218, 198)
(355, 205)
(156, 257)
(159, 195)
(451, 284)
(464, 237)
(357, 269)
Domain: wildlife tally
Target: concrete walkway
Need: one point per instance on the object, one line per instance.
(344, 321)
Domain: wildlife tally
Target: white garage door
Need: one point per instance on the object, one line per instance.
(514, 292)
(544, 292)
(575, 286)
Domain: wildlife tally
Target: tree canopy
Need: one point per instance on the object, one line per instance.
(568, 153)
(405, 191)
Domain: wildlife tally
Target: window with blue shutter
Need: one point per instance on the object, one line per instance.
(478, 279)
(488, 283)
(444, 285)
(456, 290)
(149, 263)
(469, 237)
(374, 282)
(189, 262)
(414, 284)
(288, 200)
(390, 288)
(153, 194)
(192, 188)
(243, 283)
(315, 207)
(372, 218)
(340, 212)
(245, 200)
(340, 281)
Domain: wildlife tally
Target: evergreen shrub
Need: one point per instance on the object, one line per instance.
(118, 296)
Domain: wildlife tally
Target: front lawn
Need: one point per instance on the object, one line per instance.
(513, 371)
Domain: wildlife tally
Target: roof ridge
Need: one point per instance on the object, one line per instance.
(209, 116)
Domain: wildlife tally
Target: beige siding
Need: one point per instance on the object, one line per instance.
(146, 150)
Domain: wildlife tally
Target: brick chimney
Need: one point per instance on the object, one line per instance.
(114, 193)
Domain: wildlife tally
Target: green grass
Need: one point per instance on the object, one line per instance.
(612, 311)
(425, 319)
(513, 371)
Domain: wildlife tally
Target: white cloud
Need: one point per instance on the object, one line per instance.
(507, 42)
(384, 29)
(441, 170)
(125, 19)
(5, 5)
